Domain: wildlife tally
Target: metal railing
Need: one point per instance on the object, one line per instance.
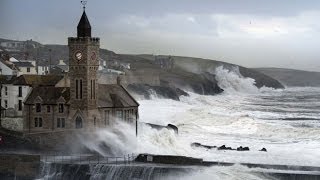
(88, 159)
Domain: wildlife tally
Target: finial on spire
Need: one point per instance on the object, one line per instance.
(84, 4)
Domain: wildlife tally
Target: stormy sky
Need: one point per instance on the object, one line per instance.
(252, 33)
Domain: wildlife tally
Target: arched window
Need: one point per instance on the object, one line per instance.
(78, 122)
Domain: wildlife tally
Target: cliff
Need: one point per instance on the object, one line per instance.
(292, 77)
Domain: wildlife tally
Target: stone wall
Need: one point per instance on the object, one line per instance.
(19, 166)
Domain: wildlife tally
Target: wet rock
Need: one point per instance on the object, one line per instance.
(223, 147)
(195, 144)
(243, 148)
(159, 127)
(264, 149)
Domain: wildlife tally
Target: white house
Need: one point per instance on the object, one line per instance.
(43, 70)
(25, 67)
(13, 97)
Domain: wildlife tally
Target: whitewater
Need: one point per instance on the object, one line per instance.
(286, 122)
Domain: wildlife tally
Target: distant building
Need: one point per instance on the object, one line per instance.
(25, 67)
(82, 103)
(63, 66)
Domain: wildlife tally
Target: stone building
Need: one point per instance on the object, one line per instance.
(85, 104)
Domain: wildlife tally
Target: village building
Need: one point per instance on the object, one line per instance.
(78, 101)
(14, 91)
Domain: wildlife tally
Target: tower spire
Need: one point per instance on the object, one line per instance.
(84, 28)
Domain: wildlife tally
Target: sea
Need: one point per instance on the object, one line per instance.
(286, 122)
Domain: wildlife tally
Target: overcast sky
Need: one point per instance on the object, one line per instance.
(252, 33)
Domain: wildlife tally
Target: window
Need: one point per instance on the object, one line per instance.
(106, 117)
(77, 91)
(48, 109)
(20, 105)
(61, 108)
(38, 107)
(91, 89)
(20, 91)
(38, 122)
(119, 114)
(94, 121)
(6, 90)
(58, 122)
(28, 69)
(63, 123)
(6, 103)
(94, 89)
(80, 88)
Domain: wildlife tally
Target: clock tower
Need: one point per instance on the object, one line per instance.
(83, 66)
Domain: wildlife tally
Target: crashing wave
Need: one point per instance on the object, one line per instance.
(232, 81)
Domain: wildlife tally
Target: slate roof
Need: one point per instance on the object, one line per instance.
(23, 64)
(49, 95)
(109, 96)
(84, 27)
(113, 95)
(41, 80)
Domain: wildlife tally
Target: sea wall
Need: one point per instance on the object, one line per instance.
(18, 166)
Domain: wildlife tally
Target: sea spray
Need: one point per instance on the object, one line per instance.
(232, 81)
(117, 140)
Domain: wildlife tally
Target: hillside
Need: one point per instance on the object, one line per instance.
(165, 75)
(292, 77)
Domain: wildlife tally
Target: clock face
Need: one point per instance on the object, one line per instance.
(93, 56)
(78, 56)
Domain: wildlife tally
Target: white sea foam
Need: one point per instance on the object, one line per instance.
(241, 116)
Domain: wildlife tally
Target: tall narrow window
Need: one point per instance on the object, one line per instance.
(63, 123)
(40, 122)
(91, 88)
(6, 90)
(6, 103)
(80, 88)
(61, 108)
(38, 107)
(48, 109)
(94, 121)
(77, 83)
(119, 115)
(94, 89)
(35, 122)
(20, 105)
(107, 118)
(20, 92)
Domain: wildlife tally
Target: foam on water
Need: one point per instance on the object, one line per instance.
(241, 116)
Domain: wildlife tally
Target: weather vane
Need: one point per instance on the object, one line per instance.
(84, 4)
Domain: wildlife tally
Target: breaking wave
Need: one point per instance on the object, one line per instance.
(232, 81)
